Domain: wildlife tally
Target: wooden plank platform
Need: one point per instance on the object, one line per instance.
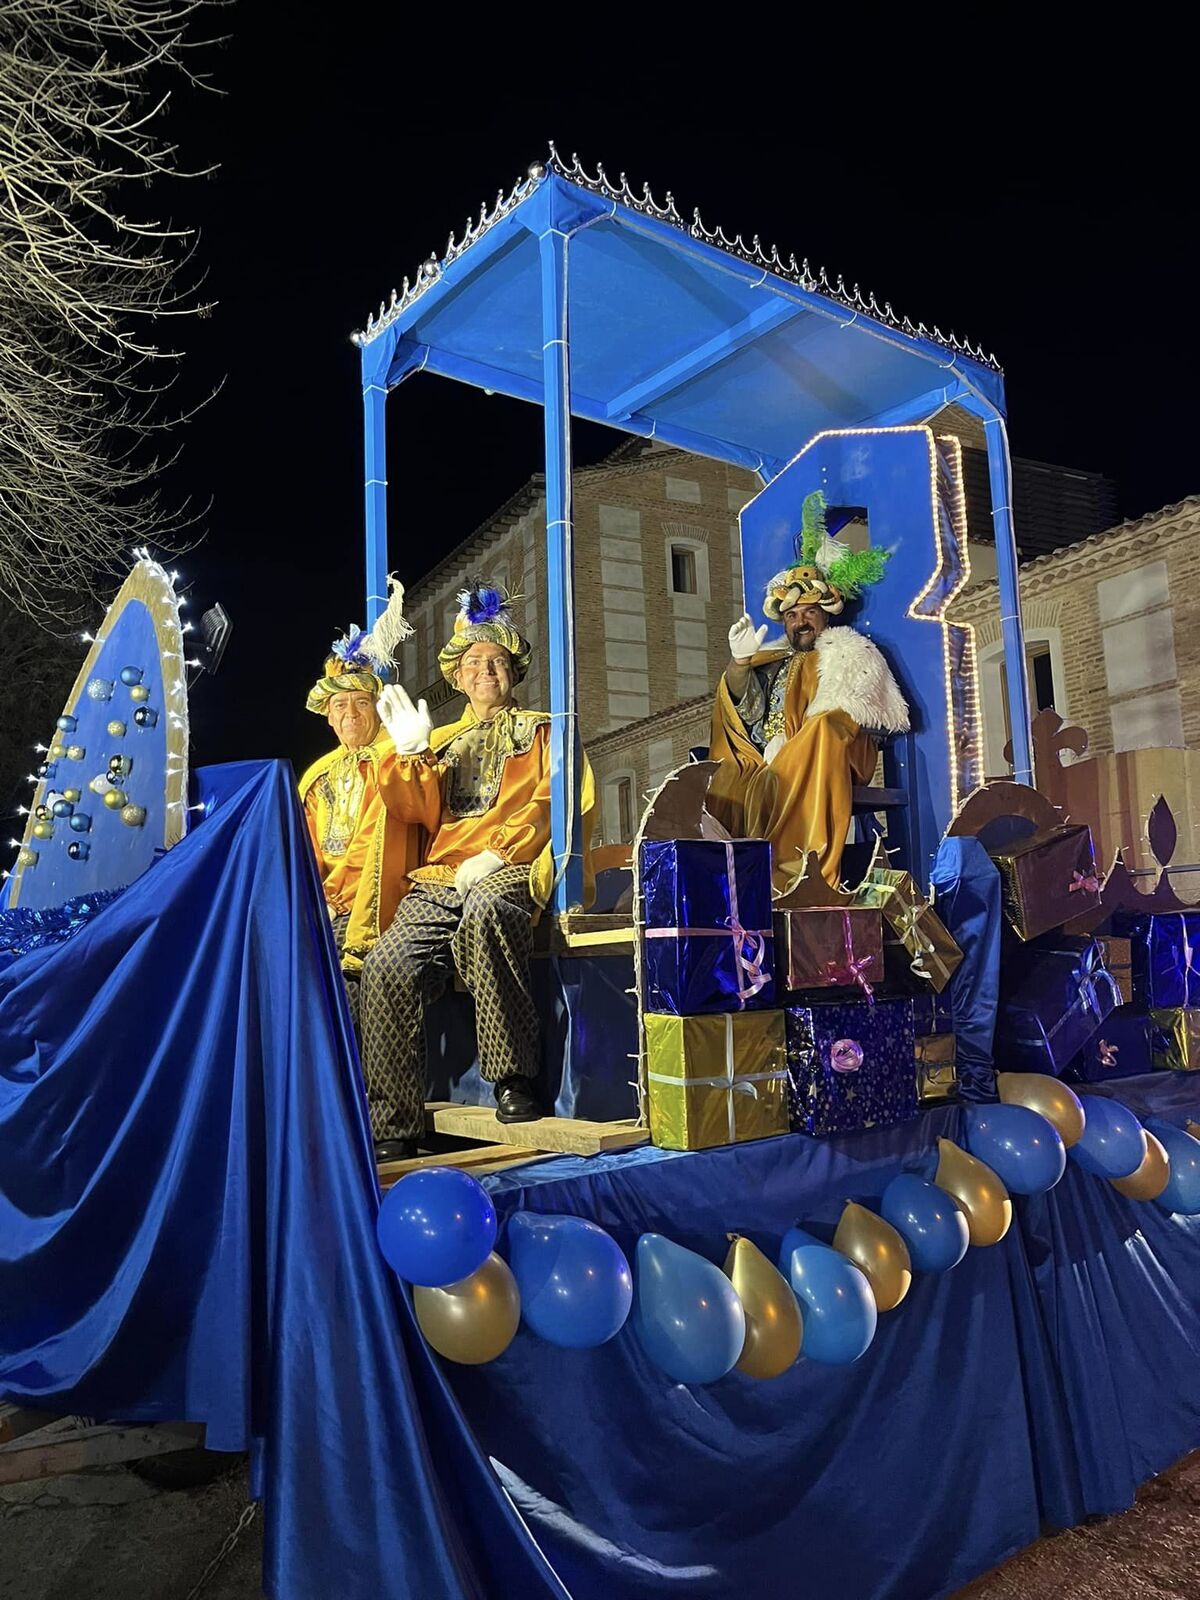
(601, 934)
(478, 1162)
(552, 1135)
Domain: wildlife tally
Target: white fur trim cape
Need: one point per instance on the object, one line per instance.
(853, 677)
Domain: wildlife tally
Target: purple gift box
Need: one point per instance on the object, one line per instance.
(708, 938)
(1120, 1048)
(850, 1065)
(1055, 996)
(1165, 956)
(1049, 878)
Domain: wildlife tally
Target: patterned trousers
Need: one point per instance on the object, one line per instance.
(488, 939)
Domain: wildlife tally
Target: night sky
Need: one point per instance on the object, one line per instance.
(340, 173)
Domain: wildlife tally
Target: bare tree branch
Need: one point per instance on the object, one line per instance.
(84, 85)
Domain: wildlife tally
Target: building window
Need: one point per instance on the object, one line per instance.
(625, 809)
(683, 569)
(619, 812)
(1045, 677)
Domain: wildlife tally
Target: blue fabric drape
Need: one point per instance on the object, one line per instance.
(187, 1208)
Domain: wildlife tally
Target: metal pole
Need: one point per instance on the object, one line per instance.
(1011, 626)
(375, 465)
(566, 763)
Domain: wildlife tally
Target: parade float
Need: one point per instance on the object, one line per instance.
(856, 1294)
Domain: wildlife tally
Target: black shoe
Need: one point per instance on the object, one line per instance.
(394, 1150)
(515, 1101)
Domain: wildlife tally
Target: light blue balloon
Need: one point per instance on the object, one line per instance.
(836, 1305)
(1182, 1194)
(1024, 1150)
(794, 1239)
(1112, 1144)
(436, 1226)
(575, 1283)
(686, 1313)
(932, 1226)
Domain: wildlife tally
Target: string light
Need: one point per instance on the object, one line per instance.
(87, 638)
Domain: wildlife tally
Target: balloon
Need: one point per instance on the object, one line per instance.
(836, 1303)
(1151, 1178)
(473, 1321)
(1182, 1193)
(978, 1191)
(773, 1326)
(794, 1239)
(1191, 1127)
(877, 1249)
(686, 1312)
(436, 1226)
(576, 1288)
(932, 1226)
(1023, 1149)
(1112, 1144)
(1060, 1106)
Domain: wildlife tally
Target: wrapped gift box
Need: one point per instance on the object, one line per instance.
(1175, 1038)
(931, 1013)
(937, 1070)
(706, 925)
(1119, 1049)
(1118, 958)
(926, 947)
(822, 947)
(1049, 878)
(716, 1080)
(1165, 956)
(1055, 996)
(850, 1065)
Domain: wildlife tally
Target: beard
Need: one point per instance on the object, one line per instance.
(802, 639)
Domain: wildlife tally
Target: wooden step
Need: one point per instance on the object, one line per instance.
(558, 1135)
(482, 1159)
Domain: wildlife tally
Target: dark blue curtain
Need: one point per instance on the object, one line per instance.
(187, 1209)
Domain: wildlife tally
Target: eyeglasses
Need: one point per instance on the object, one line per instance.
(477, 664)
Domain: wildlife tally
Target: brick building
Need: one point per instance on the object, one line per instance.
(1112, 636)
(658, 582)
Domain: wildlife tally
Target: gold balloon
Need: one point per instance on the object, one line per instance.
(876, 1247)
(475, 1320)
(1193, 1128)
(1151, 1178)
(773, 1326)
(978, 1190)
(1060, 1106)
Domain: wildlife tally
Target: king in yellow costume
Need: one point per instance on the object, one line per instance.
(793, 724)
(480, 790)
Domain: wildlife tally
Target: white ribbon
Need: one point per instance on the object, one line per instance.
(729, 1080)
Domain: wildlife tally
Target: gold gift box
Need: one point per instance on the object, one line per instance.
(937, 1068)
(716, 1080)
(913, 920)
(1175, 1039)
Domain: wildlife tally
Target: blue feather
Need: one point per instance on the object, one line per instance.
(483, 603)
(349, 649)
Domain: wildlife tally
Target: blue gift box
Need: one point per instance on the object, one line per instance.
(708, 942)
(1165, 956)
(850, 1066)
(1119, 1049)
(1054, 997)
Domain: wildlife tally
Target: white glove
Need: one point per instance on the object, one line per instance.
(476, 867)
(408, 725)
(745, 640)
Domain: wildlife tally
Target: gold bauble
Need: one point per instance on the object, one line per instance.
(1149, 1180)
(773, 1326)
(73, 795)
(139, 692)
(117, 730)
(979, 1192)
(475, 1320)
(874, 1246)
(115, 799)
(75, 752)
(43, 830)
(1060, 1106)
(133, 816)
(27, 857)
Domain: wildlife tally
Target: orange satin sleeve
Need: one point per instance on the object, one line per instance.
(411, 789)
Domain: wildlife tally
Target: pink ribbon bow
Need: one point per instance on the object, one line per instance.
(1084, 880)
(1108, 1053)
(749, 948)
(853, 969)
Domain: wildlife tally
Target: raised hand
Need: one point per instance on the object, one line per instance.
(408, 725)
(745, 640)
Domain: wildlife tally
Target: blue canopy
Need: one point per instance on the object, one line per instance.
(591, 301)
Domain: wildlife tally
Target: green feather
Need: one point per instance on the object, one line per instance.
(812, 527)
(857, 570)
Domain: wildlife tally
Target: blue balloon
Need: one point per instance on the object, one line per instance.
(794, 1239)
(1112, 1144)
(932, 1226)
(1182, 1194)
(687, 1314)
(1024, 1150)
(436, 1226)
(576, 1289)
(836, 1304)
